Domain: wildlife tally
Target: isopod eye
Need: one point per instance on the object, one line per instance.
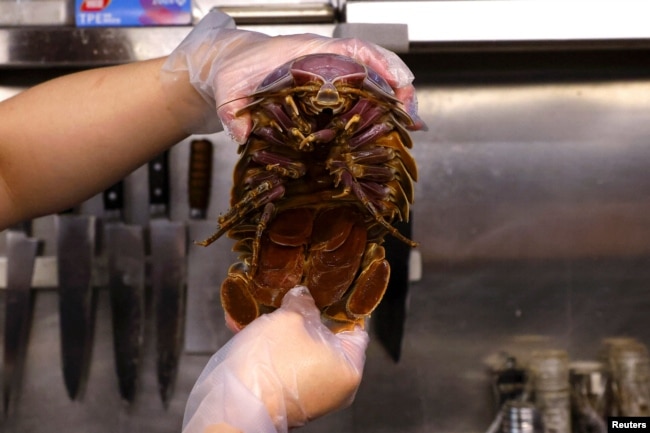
(279, 78)
(376, 82)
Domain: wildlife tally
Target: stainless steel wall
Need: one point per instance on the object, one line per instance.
(532, 217)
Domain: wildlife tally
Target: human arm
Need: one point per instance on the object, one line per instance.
(67, 139)
(283, 370)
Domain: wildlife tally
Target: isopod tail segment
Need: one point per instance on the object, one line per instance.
(239, 304)
(321, 249)
(365, 295)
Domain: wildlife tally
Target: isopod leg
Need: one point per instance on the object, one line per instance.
(261, 226)
(350, 182)
(254, 199)
(285, 167)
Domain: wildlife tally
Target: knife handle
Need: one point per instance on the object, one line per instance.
(114, 197)
(159, 180)
(200, 177)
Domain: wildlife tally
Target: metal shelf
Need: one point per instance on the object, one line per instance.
(79, 47)
(432, 26)
(29, 47)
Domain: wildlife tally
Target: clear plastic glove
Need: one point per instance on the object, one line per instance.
(226, 65)
(282, 370)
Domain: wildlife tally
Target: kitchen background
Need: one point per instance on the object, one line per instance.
(532, 211)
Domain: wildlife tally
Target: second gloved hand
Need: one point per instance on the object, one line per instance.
(225, 65)
(282, 370)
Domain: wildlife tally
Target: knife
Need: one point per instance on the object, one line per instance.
(21, 256)
(75, 256)
(390, 315)
(168, 245)
(126, 275)
(203, 328)
(200, 178)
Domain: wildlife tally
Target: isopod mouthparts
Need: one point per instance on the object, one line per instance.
(327, 96)
(320, 181)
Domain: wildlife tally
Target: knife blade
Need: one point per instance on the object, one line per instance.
(389, 317)
(168, 245)
(75, 256)
(21, 256)
(125, 256)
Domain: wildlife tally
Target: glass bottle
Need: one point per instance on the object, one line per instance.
(520, 417)
(550, 373)
(629, 366)
(589, 382)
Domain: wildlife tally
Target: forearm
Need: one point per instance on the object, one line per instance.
(64, 140)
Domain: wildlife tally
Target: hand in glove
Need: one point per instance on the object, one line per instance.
(225, 66)
(282, 370)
